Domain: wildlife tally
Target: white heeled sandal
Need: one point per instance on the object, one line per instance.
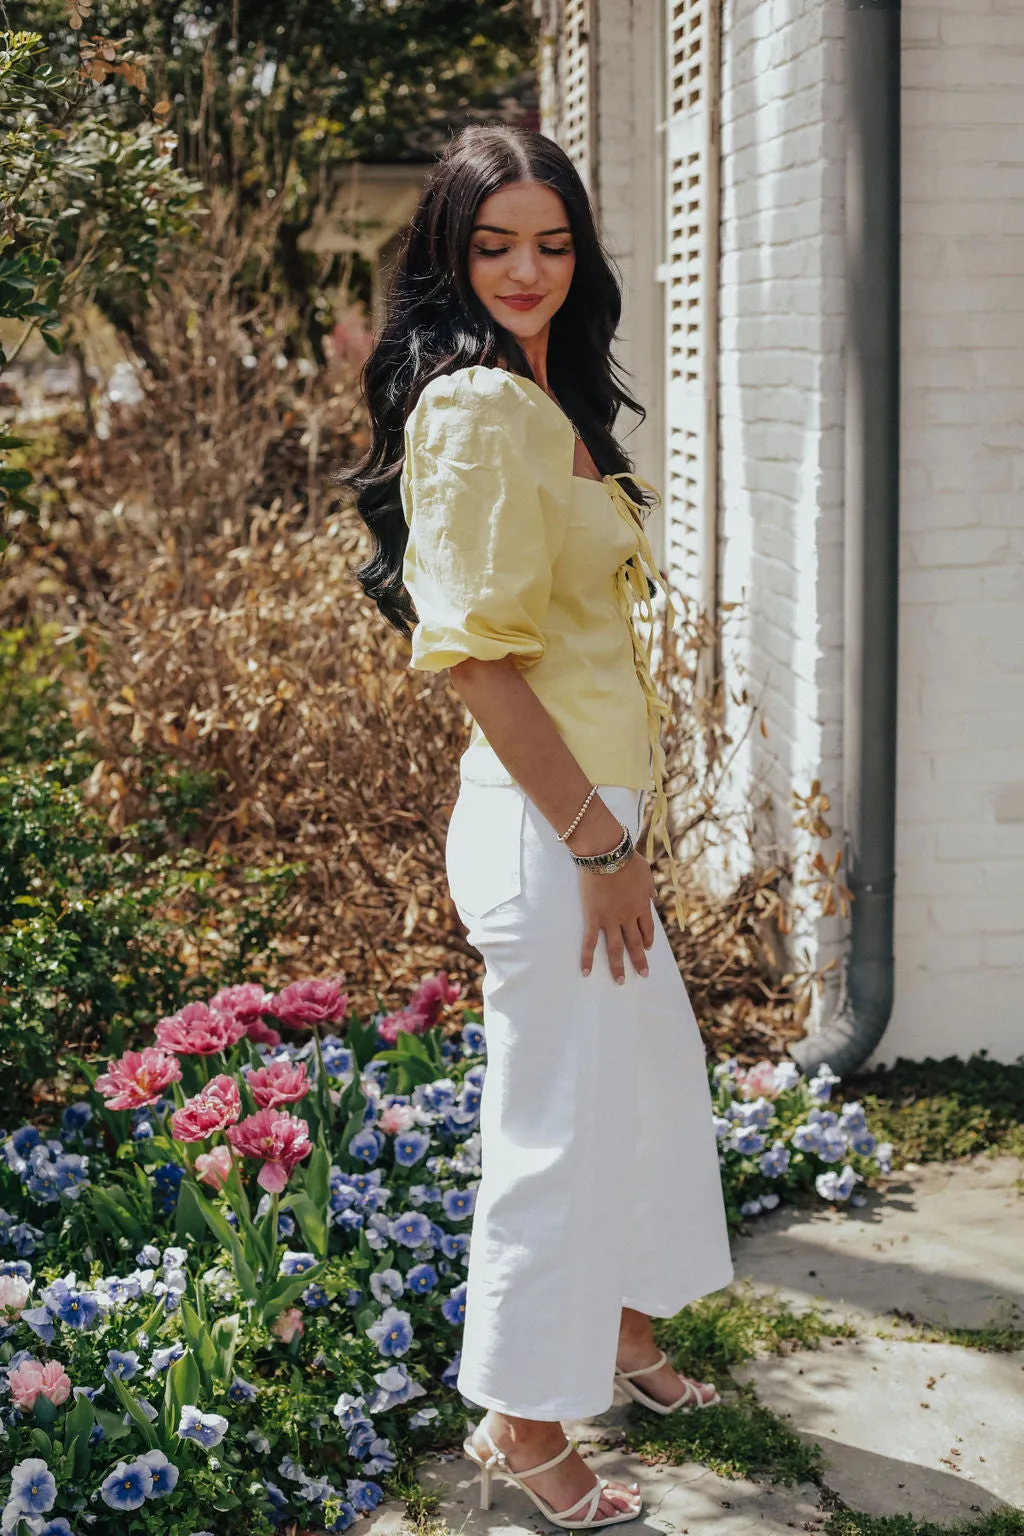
(691, 1398)
(565, 1518)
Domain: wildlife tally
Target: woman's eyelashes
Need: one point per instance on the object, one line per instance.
(503, 250)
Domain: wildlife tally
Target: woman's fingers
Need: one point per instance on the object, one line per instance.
(635, 945)
(613, 941)
(646, 922)
(591, 934)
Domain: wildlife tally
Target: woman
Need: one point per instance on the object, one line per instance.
(501, 507)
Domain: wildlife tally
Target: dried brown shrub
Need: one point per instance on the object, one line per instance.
(224, 628)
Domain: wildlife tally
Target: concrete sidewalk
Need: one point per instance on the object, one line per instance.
(931, 1429)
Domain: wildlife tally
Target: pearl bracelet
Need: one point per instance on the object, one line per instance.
(564, 836)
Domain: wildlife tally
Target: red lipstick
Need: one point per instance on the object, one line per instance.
(521, 300)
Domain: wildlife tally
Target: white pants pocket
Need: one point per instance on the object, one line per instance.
(483, 850)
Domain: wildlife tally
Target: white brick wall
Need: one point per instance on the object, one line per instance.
(960, 853)
(781, 393)
(960, 844)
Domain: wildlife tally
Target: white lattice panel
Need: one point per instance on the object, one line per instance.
(690, 273)
(575, 62)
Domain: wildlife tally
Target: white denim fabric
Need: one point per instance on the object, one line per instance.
(600, 1181)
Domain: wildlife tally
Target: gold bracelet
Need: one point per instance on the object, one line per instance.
(564, 836)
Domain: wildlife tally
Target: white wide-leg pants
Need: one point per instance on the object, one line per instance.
(600, 1184)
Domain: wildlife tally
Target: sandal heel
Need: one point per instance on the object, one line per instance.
(485, 1487)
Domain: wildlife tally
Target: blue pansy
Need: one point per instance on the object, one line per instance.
(161, 1359)
(832, 1147)
(364, 1147)
(410, 1146)
(421, 1279)
(58, 1527)
(315, 1296)
(206, 1429)
(364, 1496)
(241, 1391)
(775, 1161)
(24, 1139)
(296, 1263)
(15, 1266)
(76, 1309)
(360, 1436)
(392, 1332)
(821, 1084)
(128, 1486)
(349, 1221)
(455, 1244)
(807, 1138)
(450, 1374)
(350, 1409)
(164, 1473)
(473, 1038)
(723, 1127)
(124, 1364)
(33, 1487)
(454, 1308)
(748, 1140)
(386, 1285)
(458, 1203)
(346, 1517)
(411, 1229)
(382, 1458)
(836, 1186)
(166, 1180)
(40, 1320)
(24, 1238)
(75, 1119)
(861, 1141)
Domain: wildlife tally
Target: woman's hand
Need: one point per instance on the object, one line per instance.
(619, 906)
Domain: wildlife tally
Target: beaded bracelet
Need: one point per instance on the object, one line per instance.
(564, 836)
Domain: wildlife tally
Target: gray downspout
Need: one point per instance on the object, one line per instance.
(871, 542)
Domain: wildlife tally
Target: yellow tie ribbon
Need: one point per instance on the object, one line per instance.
(633, 592)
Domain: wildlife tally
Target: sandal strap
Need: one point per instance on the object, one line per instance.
(592, 1498)
(545, 1466)
(645, 1370)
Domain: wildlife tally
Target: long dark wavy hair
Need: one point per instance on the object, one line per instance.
(434, 323)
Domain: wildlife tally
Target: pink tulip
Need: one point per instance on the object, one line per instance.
(433, 994)
(32, 1379)
(757, 1082)
(140, 1077)
(287, 1324)
(214, 1166)
(283, 1082)
(198, 1030)
(306, 1003)
(262, 1034)
(14, 1293)
(248, 1003)
(278, 1139)
(217, 1106)
(404, 1022)
(396, 1119)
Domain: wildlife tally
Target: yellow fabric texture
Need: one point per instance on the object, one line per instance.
(511, 554)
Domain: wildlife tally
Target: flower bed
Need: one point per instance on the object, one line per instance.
(232, 1284)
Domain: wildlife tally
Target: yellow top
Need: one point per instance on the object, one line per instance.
(511, 554)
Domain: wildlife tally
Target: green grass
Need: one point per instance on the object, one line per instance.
(934, 1111)
(734, 1439)
(717, 1332)
(739, 1437)
(997, 1338)
(1004, 1522)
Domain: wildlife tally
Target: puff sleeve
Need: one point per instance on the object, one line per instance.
(481, 496)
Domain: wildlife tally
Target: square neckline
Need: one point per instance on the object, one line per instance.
(529, 384)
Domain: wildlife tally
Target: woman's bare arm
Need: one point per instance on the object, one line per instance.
(529, 744)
